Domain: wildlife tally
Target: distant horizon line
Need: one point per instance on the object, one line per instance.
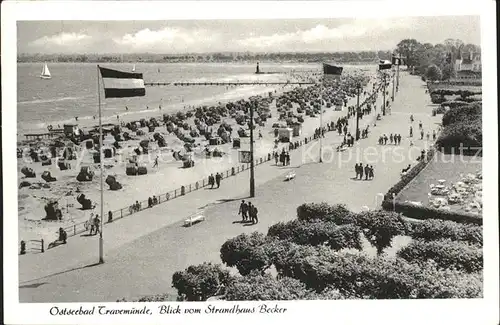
(201, 53)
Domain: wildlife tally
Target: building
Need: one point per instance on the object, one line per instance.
(468, 65)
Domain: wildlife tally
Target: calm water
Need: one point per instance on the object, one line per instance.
(72, 91)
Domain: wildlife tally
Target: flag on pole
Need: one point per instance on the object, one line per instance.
(332, 69)
(384, 65)
(118, 84)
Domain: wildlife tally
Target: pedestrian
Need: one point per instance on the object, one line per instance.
(371, 171)
(391, 138)
(411, 118)
(356, 169)
(287, 158)
(411, 132)
(96, 223)
(91, 221)
(422, 134)
(428, 135)
(62, 235)
(276, 158)
(255, 218)
(360, 171)
(218, 177)
(434, 135)
(211, 180)
(156, 162)
(420, 125)
(243, 211)
(367, 172)
(385, 138)
(110, 216)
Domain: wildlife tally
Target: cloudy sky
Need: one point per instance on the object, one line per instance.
(306, 35)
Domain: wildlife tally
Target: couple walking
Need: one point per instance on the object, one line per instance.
(248, 212)
(366, 170)
(214, 180)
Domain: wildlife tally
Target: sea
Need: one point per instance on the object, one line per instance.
(73, 90)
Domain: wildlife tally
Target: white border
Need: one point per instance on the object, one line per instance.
(477, 311)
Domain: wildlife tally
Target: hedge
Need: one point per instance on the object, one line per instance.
(422, 212)
(462, 134)
(434, 229)
(338, 213)
(446, 253)
(450, 92)
(406, 179)
(463, 113)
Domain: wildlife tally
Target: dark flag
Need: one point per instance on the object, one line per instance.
(384, 65)
(118, 84)
(396, 60)
(332, 69)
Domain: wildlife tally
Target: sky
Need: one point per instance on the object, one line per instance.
(277, 35)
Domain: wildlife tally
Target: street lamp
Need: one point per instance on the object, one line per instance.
(384, 84)
(252, 172)
(358, 87)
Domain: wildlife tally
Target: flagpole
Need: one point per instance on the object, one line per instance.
(101, 241)
(321, 86)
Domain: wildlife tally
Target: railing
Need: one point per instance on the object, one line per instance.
(33, 246)
(84, 226)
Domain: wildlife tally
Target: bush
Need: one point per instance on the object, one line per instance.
(317, 233)
(199, 282)
(246, 252)
(446, 253)
(463, 113)
(380, 227)
(433, 73)
(338, 213)
(265, 287)
(438, 229)
(462, 134)
(357, 275)
(423, 213)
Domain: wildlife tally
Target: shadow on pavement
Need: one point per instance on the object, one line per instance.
(57, 273)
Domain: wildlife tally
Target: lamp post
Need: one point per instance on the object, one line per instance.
(252, 171)
(358, 87)
(384, 84)
(393, 83)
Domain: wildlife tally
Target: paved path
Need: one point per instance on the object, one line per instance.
(145, 266)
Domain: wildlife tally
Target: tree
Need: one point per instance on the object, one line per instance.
(200, 282)
(448, 72)
(246, 252)
(434, 73)
(407, 48)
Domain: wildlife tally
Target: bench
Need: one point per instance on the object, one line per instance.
(194, 219)
(290, 176)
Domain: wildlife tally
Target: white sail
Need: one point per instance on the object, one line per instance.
(45, 72)
(133, 69)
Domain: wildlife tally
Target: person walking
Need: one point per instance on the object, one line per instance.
(276, 158)
(371, 172)
(96, 224)
(91, 221)
(411, 132)
(367, 172)
(255, 212)
(218, 178)
(356, 169)
(391, 138)
(361, 171)
(243, 211)
(433, 135)
(211, 180)
(385, 138)
(156, 162)
(420, 125)
(428, 135)
(421, 134)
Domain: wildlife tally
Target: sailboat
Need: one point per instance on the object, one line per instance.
(133, 68)
(45, 72)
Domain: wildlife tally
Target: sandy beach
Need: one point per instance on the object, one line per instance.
(167, 176)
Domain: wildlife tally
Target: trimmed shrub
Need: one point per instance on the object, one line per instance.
(338, 213)
(424, 213)
(265, 287)
(438, 229)
(446, 253)
(468, 133)
(463, 113)
(318, 233)
(246, 253)
(380, 227)
(199, 282)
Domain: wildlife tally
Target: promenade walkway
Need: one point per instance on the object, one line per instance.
(145, 265)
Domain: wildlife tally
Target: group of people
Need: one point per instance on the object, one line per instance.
(213, 180)
(94, 224)
(284, 157)
(367, 171)
(248, 212)
(392, 138)
(348, 140)
(152, 201)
